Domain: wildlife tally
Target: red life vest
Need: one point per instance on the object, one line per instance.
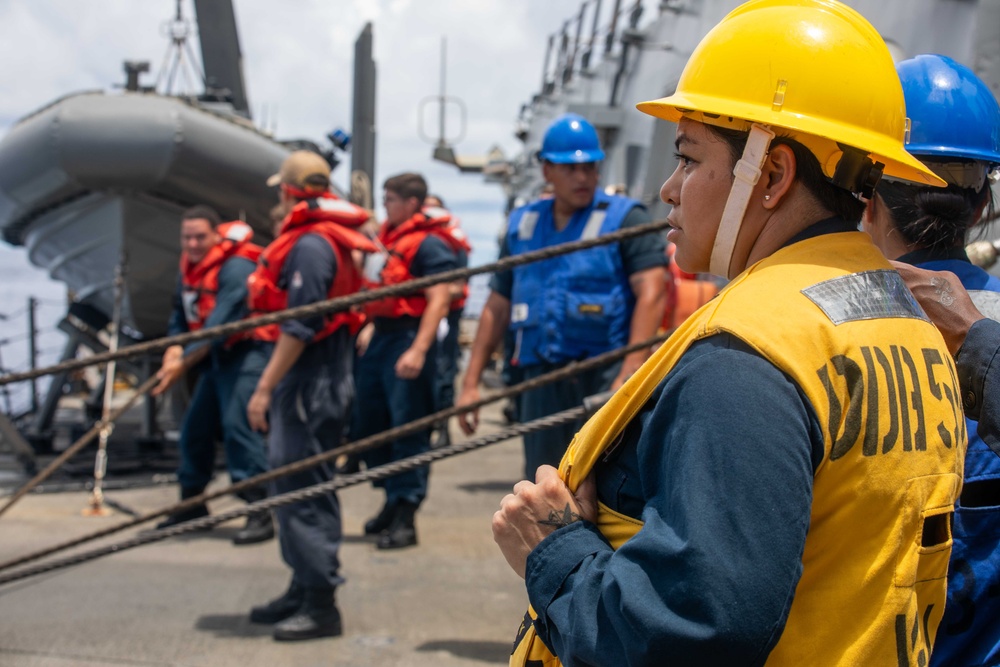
(402, 243)
(332, 219)
(455, 229)
(200, 282)
(685, 293)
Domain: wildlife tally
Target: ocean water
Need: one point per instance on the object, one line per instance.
(21, 280)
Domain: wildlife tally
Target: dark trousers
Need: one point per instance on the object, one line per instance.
(547, 447)
(308, 415)
(447, 362)
(385, 401)
(219, 404)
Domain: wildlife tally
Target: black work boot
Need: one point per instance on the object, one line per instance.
(317, 617)
(196, 512)
(401, 532)
(442, 438)
(259, 526)
(381, 521)
(280, 608)
(348, 464)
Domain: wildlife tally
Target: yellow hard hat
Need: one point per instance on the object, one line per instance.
(814, 70)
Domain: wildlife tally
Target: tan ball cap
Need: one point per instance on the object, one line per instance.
(298, 168)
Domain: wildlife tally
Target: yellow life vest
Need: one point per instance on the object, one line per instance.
(832, 314)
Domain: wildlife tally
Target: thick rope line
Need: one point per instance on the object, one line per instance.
(371, 442)
(82, 442)
(307, 493)
(336, 304)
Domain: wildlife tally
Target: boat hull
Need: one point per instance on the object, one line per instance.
(93, 175)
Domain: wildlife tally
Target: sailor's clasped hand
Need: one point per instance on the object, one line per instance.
(536, 509)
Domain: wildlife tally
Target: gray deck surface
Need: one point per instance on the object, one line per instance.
(450, 601)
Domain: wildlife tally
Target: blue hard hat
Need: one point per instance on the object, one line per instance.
(952, 112)
(571, 139)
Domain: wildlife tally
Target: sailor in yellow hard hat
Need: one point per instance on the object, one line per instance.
(774, 485)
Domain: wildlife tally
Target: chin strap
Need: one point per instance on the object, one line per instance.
(746, 173)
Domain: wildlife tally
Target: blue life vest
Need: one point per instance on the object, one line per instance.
(970, 630)
(576, 305)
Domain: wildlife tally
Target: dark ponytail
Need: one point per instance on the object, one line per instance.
(933, 218)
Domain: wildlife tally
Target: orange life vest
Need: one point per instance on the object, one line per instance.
(401, 244)
(685, 293)
(200, 281)
(336, 221)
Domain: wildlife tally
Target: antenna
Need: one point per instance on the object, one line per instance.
(609, 42)
(571, 61)
(492, 162)
(444, 73)
(181, 59)
(443, 144)
(546, 87)
(585, 59)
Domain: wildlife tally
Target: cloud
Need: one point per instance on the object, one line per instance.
(298, 65)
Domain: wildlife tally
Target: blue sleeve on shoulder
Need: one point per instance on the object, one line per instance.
(308, 272)
(177, 323)
(978, 365)
(642, 252)
(502, 282)
(723, 461)
(433, 256)
(231, 300)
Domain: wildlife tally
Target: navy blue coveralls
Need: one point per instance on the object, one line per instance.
(308, 416)
(447, 358)
(970, 628)
(721, 510)
(385, 400)
(228, 379)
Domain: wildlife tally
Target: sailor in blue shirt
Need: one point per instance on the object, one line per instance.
(396, 371)
(303, 398)
(448, 350)
(574, 306)
(956, 132)
(972, 337)
(212, 290)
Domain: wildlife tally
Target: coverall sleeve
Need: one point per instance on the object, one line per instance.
(502, 282)
(308, 272)
(642, 252)
(726, 451)
(177, 323)
(433, 256)
(230, 302)
(979, 376)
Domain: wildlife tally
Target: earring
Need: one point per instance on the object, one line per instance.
(767, 197)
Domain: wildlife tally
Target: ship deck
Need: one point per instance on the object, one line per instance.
(450, 601)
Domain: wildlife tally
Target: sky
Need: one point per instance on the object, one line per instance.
(297, 60)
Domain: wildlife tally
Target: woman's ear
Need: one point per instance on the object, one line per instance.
(868, 215)
(778, 174)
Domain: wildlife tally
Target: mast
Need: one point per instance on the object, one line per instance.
(363, 123)
(220, 51)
